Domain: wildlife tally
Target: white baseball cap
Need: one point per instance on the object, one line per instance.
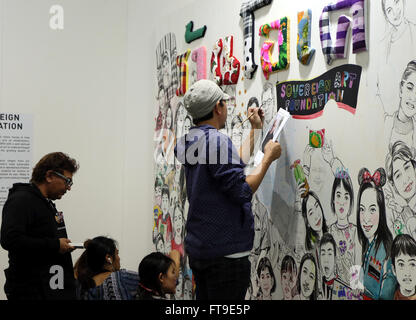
(202, 97)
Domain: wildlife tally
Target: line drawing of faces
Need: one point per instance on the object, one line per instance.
(307, 278)
(403, 255)
(237, 131)
(369, 213)
(268, 102)
(180, 119)
(169, 120)
(327, 256)
(289, 274)
(266, 279)
(252, 102)
(314, 219)
(178, 224)
(187, 125)
(342, 199)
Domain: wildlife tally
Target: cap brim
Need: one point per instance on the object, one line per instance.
(226, 97)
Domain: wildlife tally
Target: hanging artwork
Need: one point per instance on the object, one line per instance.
(247, 13)
(338, 51)
(191, 35)
(225, 67)
(199, 56)
(304, 49)
(182, 62)
(267, 64)
(307, 99)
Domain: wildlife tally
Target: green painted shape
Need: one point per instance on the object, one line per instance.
(191, 35)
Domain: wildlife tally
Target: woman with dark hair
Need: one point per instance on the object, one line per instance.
(266, 279)
(307, 283)
(374, 237)
(98, 273)
(158, 276)
(314, 218)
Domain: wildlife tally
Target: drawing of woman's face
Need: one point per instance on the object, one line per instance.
(186, 126)
(307, 278)
(177, 222)
(165, 203)
(180, 117)
(408, 95)
(404, 178)
(166, 69)
(314, 214)
(158, 194)
(394, 10)
(405, 270)
(288, 282)
(342, 202)
(266, 281)
(169, 118)
(237, 135)
(369, 213)
(267, 105)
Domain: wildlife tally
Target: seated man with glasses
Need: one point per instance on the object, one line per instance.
(34, 233)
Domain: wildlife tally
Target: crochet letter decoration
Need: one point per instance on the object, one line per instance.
(182, 63)
(304, 50)
(267, 64)
(338, 51)
(247, 13)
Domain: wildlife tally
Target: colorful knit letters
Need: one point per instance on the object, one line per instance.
(304, 50)
(283, 28)
(358, 10)
(224, 66)
(182, 63)
(199, 56)
(247, 13)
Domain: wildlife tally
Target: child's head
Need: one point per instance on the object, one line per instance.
(342, 197)
(314, 218)
(288, 275)
(157, 273)
(267, 281)
(328, 253)
(403, 255)
(401, 170)
(165, 199)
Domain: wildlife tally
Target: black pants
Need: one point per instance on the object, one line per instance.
(221, 278)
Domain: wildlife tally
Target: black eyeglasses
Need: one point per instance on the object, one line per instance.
(68, 181)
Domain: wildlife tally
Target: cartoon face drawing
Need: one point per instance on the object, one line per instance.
(166, 69)
(288, 281)
(307, 278)
(180, 117)
(369, 213)
(405, 270)
(165, 203)
(266, 282)
(404, 178)
(342, 202)
(267, 105)
(314, 214)
(394, 11)
(177, 222)
(328, 260)
(408, 95)
(158, 196)
(187, 125)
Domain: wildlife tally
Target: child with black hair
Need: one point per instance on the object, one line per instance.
(403, 256)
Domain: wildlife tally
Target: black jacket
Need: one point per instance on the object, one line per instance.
(30, 231)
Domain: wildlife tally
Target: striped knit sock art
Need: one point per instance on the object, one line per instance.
(338, 51)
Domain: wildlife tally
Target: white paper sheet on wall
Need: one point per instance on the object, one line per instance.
(273, 133)
(16, 149)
